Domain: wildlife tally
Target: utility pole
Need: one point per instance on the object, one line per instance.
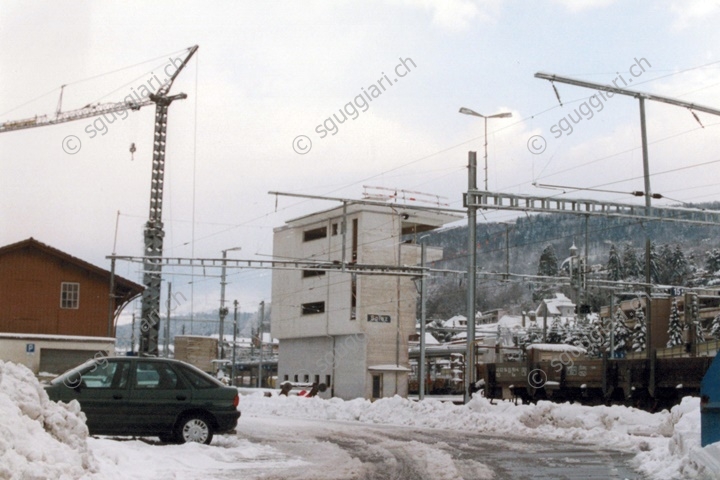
(423, 297)
(472, 267)
(111, 310)
(223, 309)
(260, 334)
(507, 248)
(648, 212)
(232, 369)
(166, 340)
(585, 264)
(132, 335)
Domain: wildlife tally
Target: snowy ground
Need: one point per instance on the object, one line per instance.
(295, 437)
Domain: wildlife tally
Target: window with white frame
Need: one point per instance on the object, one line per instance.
(69, 295)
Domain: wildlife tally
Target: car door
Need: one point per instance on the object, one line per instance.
(102, 389)
(157, 396)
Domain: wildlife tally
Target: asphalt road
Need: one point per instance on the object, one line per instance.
(307, 449)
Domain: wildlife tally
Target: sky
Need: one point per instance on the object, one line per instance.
(271, 79)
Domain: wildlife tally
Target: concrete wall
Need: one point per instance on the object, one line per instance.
(290, 289)
(341, 357)
(28, 349)
(351, 360)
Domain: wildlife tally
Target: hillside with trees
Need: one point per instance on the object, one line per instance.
(539, 245)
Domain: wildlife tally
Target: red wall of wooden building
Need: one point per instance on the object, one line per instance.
(30, 286)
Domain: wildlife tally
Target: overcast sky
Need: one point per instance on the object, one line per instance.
(394, 72)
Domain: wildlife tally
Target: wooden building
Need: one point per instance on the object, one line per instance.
(46, 291)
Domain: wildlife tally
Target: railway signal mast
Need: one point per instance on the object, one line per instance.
(154, 233)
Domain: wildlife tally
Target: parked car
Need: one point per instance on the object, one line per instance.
(142, 396)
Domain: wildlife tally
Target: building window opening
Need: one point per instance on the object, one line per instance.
(313, 273)
(70, 295)
(314, 234)
(377, 381)
(312, 308)
(353, 296)
(355, 240)
(334, 228)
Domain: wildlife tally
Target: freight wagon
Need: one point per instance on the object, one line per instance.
(565, 373)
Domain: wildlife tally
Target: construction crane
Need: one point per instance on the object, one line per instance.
(153, 233)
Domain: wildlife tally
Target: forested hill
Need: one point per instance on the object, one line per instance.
(531, 234)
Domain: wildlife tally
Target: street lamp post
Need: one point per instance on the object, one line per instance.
(223, 310)
(467, 111)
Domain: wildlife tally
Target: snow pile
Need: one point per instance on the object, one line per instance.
(666, 444)
(227, 457)
(39, 438)
(544, 420)
(682, 456)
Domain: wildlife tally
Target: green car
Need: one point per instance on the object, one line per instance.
(143, 396)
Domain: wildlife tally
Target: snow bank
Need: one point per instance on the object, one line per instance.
(39, 439)
(682, 456)
(544, 420)
(227, 457)
(666, 444)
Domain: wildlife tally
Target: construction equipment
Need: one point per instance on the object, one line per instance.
(153, 234)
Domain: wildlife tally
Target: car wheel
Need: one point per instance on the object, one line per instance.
(194, 429)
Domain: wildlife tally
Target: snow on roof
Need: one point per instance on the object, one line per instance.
(456, 321)
(57, 338)
(511, 321)
(430, 340)
(389, 368)
(228, 338)
(507, 321)
(459, 336)
(554, 305)
(556, 347)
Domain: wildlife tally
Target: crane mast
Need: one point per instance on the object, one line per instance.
(153, 233)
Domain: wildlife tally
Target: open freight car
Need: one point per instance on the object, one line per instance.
(565, 373)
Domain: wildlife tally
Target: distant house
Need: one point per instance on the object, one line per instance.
(559, 306)
(47, 294)
(458, 323)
